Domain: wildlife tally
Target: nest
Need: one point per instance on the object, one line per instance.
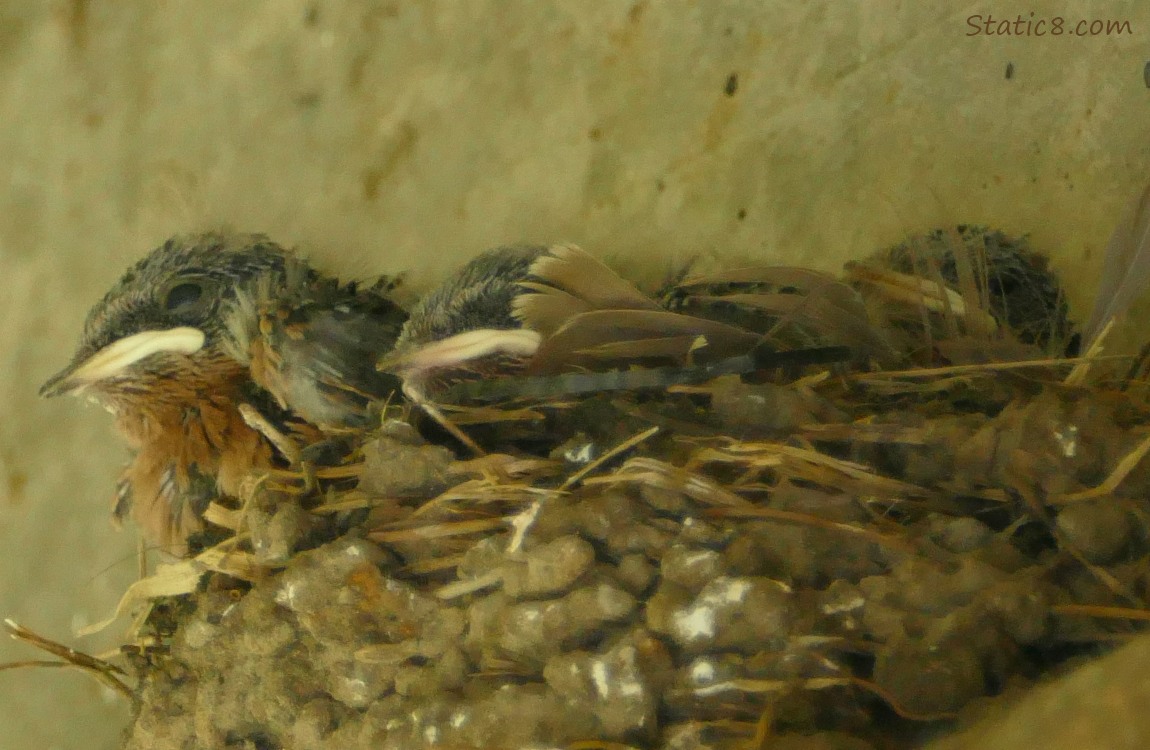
(852, 558)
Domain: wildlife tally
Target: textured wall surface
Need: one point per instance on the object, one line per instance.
(410, 134)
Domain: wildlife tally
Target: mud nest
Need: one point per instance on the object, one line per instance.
(849, 558)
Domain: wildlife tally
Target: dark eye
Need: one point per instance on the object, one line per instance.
(183, 296)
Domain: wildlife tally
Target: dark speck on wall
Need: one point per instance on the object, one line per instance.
(732, 84)
(1009, 70)
(1146, 74)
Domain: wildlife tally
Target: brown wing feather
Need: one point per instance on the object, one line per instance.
(828, 308)
(580, 274)
(545, 309)
(678, 348)
(645, 329)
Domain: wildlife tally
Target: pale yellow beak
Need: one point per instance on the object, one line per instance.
(116, 357)
(462, 348)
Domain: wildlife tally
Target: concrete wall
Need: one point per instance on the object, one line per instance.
(411, 134)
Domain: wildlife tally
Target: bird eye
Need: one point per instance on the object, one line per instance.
(182, 296)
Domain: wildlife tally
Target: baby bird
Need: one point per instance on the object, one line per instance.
(204, 331)
(534, 321)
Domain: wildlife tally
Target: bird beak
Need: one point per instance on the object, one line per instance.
(116, 357)
(462, 348)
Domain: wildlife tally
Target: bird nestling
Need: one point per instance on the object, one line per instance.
(204, 327)
(533, 321)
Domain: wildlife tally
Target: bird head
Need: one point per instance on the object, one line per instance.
(166, 319)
